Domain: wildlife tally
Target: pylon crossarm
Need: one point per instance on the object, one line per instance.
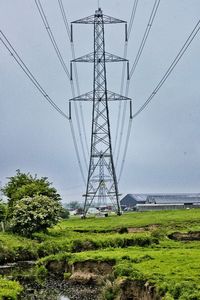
(90, 58)
(92, 19)
(111, 96)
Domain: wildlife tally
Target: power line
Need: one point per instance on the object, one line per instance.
(22, 65)
(51, 36)
(171, 68)
(63, 13)
(28, 73)
(125, 149)
(132, 18)
(122, 123)
(123, 70)
(141, 47)
(77, 151)
(54, 43)
(145, 36)
(161, 82)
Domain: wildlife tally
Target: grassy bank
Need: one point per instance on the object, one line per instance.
(137, 243)
(9, 289)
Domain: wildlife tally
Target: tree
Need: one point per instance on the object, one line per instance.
(3, 213)
(25, 185)
(64, 213)
(34, 214)
(74, 205)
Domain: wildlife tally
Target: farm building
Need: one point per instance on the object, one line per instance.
(143, 202)
(185, 199)
(130, 200)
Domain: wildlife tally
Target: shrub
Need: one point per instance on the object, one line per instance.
(34, 214)
(9, 289)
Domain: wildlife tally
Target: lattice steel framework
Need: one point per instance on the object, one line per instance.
(102, 181)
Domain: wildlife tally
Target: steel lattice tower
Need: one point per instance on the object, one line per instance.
(102, 181)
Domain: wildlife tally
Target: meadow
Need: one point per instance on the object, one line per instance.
(139, 244)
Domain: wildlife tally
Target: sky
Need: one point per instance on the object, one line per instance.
(164, 149)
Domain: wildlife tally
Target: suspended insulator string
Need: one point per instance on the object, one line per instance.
(171, 68)
(77, 151)
(145, 36)
(51, 36)
(123, 72)
(28, 73)
(63, 13)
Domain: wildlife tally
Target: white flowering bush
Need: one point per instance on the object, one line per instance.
(34, 214)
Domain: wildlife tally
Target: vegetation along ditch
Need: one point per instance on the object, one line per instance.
(148, 256)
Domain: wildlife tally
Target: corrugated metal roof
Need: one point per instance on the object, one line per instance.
(176, 198)
(163, 198)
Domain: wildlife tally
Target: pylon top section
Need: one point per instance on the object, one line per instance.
(98, 13)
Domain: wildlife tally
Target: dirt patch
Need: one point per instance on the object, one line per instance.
(153, 227)
(143, 229)
(91, 272)
(135, 229)
(102, 268)
(189, 236)
(137, 290)
(56, 267)
(85, 278)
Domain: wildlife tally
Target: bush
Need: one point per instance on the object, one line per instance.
(9, 289)
(64, 213)
(25, 185)
(34, 214)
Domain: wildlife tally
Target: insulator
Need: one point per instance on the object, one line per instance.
(131, 110)
(128, 71)
(71, 71)
(126, 33)
(71, 33)
(70, 110)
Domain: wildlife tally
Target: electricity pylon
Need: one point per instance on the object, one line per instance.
(102, 181)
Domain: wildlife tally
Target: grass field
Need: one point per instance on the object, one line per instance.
(139, 244)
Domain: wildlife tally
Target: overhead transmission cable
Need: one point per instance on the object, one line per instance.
(53, 41)
(161, 82)
(51, 36)
(145, 36)
(138, 55)
(170, 69)
(35, 82)
(28, 73)
(63, 13)
(124, 69)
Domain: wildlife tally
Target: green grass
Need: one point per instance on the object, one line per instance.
(173, 270)
(14, 248)
(183, 219)
(173, 267)
(9, 289)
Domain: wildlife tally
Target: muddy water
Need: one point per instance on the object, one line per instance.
(49, 288)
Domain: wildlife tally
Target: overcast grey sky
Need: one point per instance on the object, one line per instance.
(164, 149)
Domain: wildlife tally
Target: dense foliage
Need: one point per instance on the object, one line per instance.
(9, 289)
(3, 211)
(25, 185)
(33, 204)
(34, 214)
